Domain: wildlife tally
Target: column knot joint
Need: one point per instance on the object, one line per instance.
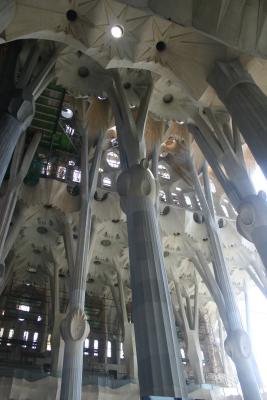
(75, 326)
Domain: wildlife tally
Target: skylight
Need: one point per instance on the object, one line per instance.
(113, 159)
(163, 172)
(106, 181)
(23, 307)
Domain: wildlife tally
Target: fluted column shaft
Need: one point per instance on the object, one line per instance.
(10, 131)
(237, 343)
(75, 327)
(71, 386)
(159, 367)
(246, 103)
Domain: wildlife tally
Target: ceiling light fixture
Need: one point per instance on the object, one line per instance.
(117, 31)
(66, 113)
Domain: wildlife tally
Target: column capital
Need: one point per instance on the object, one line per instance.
(226, 75)
(75, 326)
(252, 214)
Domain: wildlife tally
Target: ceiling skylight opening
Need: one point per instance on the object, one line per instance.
(23, 307)
(212, 187)
(163, 172)
(117, 31)
(76, 177)
(106, 182)
(178, 189)
(225, 211)
(66, 113)
(162, 196)
(175, 198)
(102, 98)
(113, 159)
(258, 180)
(61, 172)
(32, 270)
(114, 142)
(69, 130)
(188, 201)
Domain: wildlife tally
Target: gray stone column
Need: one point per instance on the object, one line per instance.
(246, 103)
(10, 131)
(237, 343)
(252, 223)
(159, 367)
(75, 327)
(190, 318)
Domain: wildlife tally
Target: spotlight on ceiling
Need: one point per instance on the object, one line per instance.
(117, 31)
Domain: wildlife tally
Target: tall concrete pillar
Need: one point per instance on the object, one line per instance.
(159, 367)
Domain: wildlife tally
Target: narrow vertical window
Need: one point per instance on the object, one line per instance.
(96, 348)
(109, 351)
(35, 340)
(86, 346)
(10, 333)
(121, 351)
(48, 343)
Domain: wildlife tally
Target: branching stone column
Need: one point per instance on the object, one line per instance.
(56, 339)
(159, 366)
(129, 346)
(75, 327)
(237, 343)
(190, 319)
(156, 339)
(17, 104)
(246, 103)
(252, 222)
